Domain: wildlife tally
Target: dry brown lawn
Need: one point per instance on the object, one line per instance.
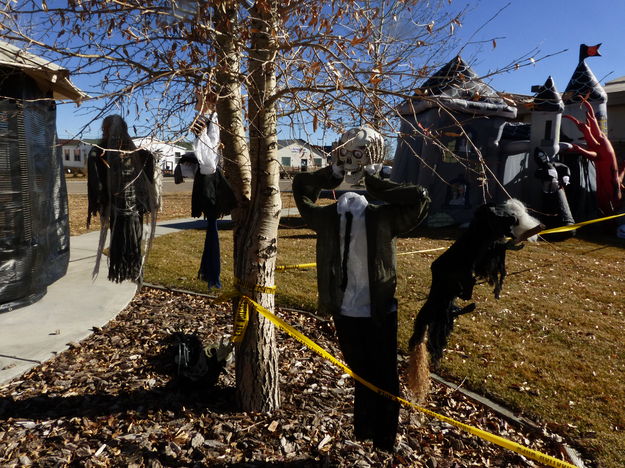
(174, 205)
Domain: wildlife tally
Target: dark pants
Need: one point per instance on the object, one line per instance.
(210, 265)
(370, 349)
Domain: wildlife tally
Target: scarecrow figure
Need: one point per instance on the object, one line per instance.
(122, 190)
(480, 253)
(356, 268)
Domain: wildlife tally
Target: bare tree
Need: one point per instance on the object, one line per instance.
(321, 64)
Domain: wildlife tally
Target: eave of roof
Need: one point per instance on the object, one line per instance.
(47, 75)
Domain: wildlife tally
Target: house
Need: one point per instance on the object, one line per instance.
(615, 90)
(168, 154)
(34, 221)
(296, 155)
(74, 154)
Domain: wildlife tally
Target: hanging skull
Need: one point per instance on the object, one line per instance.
(357, 148)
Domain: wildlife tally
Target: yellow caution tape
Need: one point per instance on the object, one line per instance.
(572, 227)
(242, 313)
(256, 288)
(313, 265)
(241, 318)
(422, 251)
(294, 267)
(515, 447)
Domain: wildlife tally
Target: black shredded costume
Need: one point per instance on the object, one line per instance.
(122, 191)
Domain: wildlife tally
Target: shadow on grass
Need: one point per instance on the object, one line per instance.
(602, 238)
(448, 233)
(293, 222)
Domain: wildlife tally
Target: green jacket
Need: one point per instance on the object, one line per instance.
(405, 207)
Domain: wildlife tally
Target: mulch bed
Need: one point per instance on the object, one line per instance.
(112, 400)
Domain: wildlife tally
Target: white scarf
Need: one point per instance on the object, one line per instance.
(356, 298)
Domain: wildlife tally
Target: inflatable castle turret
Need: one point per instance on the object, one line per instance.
(544, 150)
(546, 119)
(583, 85)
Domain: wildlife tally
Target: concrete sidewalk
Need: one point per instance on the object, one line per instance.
(72, 306)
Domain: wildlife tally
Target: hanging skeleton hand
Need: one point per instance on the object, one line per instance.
(599, 150)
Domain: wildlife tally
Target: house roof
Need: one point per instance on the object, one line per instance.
(154, 142)
(289, 142)
(46, 74)
(298, 141)
(458, 87)
(615, 86)
(615, 90)
(75, 142)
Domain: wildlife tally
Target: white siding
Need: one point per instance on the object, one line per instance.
(166, 153)
(296, 156)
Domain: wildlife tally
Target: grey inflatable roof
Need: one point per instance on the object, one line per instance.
(583, 82)
(548, 99)
(457, 87)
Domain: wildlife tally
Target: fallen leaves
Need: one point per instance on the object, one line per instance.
(110, 400)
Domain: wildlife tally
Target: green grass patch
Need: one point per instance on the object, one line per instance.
(550, 348)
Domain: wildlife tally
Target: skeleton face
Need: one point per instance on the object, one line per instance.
(357, 148)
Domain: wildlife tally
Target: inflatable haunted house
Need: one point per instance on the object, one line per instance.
(462, 141)
(34, 228)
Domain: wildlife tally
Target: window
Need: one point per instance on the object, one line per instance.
(304, 165)
(286, 161)
(318, 162)
(77, 154)
(456, 148)
(457, 195)
(176, 157)
(66, 153)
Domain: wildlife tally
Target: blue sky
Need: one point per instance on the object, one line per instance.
(550, 26)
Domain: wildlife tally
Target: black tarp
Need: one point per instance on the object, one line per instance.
(34, 224)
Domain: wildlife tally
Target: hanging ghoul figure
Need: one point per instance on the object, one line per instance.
(480, 253)
(356, 270)
(122, 190)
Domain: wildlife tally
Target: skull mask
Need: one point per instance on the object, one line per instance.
(357, 148)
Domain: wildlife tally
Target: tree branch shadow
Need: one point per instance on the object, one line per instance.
(169, 397)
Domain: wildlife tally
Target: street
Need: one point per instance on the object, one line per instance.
(78, 185)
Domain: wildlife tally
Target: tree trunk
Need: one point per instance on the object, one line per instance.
(257, 363)
(254, 174)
